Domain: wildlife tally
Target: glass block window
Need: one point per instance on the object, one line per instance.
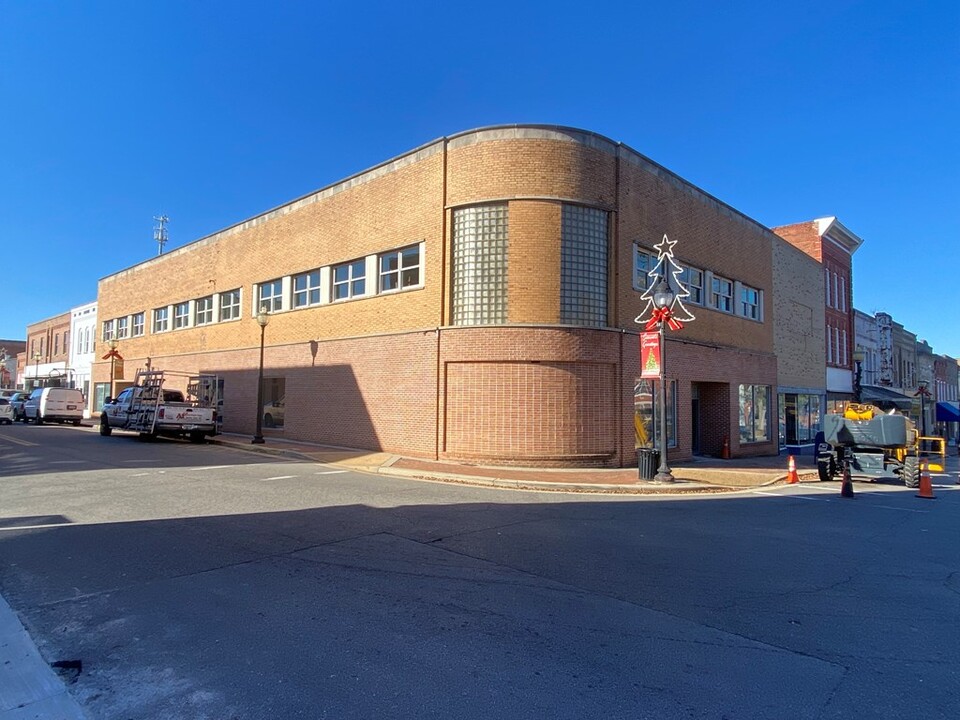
(161, 319)
(181, 315)
(138, 324)
(583, 266)
(123, 327)
(480, 242)
(107, 331)
(230, 305)
(692, 279)
(400, 269)
(750, 302)
(271, 295)
(306, 289)
(643, 262)
(349, 280)
(203, 310)
(721, 294)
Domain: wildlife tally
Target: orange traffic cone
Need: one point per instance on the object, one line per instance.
(926, 487)
(846, 487)
(792, 476)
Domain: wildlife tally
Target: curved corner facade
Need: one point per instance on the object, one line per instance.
(474, 299)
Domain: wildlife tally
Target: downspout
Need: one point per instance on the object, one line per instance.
(440, 395)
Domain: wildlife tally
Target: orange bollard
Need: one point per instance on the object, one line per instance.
(926, 486)
(792, 476)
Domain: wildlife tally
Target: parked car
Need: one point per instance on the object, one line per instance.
(56, 404)
(16, 402)
(6, 412)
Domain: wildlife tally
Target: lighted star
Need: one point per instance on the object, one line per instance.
(665, 247)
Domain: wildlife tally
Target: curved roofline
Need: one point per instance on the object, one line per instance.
(502, 131)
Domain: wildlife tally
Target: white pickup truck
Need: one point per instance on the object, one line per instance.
(172, 416)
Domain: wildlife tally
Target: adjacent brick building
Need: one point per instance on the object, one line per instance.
(45, 361)
(473, 299)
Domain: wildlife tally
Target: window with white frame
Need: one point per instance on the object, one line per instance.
(349, 280)
(161, 319)
(843, 293)
(123, 327)
(181, 315)
(480, 244)
(271, 295)
(692, 279)
(137, 329)
(107, 333)
(203, 310)
(721, 294)
(400, 269)
(642, 264)
(230, 305)
(86, 340)
(826, 276)
(306, 289)
(750, 302)
(829, 344)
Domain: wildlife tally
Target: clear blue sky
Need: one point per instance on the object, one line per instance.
(212, 112)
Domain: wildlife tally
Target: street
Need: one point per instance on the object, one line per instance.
(198, 581)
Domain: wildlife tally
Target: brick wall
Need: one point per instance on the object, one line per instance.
(799, 328)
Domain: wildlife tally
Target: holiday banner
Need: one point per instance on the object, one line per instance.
(650, 355)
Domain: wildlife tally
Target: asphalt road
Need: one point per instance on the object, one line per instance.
(206, 582)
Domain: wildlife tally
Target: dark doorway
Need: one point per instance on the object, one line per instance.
(695, 419)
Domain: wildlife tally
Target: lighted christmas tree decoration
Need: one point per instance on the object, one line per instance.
(665, 271)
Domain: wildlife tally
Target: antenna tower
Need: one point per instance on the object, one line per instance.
(160, 232)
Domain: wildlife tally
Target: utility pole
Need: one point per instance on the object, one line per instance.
(160, 233)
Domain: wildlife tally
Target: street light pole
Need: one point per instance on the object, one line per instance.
(663, 297)
(112, 344)
(262, 319)
(36, 369)
(858, 356)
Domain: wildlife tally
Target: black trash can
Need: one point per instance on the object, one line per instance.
(648, 460)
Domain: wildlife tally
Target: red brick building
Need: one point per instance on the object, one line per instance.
(473, 299)
(47, 353)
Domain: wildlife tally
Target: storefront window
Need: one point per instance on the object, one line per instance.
(646, 422)
(274, 405)
(754, 413)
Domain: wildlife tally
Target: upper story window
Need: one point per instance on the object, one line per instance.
(400, 269)
(480, 243)
(692, 279)
(123, 327)
(349, 280)
(583, 266)
(138, 324)
(306, 289)
(642, 264)
(750, 302)
(161, 319)
(721, 294)
(203, 311)
(181, 315)
(107, 333)
(230, 305)
(271, 295)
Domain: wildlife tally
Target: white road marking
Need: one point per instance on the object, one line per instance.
(331, 472)
(278, 477)
(18, 441)
(825, 499)
(66, 462)
(208, 467)
(140, 474)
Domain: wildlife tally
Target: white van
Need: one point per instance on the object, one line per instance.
(54, 403)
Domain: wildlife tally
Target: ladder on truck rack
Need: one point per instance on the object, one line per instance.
(146, 400)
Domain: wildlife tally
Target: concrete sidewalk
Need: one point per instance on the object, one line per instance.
(700, 475)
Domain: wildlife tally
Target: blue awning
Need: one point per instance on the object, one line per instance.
(948, 412)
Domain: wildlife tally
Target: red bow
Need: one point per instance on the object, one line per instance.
(661, 315)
